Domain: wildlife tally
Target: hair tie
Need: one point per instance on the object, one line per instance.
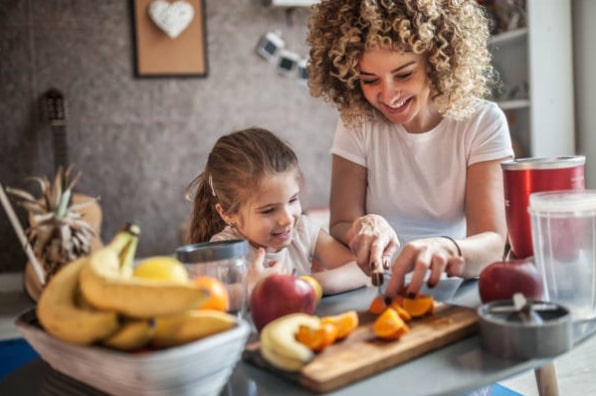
(211, 185)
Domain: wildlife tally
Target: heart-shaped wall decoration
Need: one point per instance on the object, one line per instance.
(172, 18)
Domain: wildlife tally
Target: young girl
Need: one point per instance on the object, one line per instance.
(250, 190)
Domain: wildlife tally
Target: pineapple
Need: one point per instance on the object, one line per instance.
(58, 232)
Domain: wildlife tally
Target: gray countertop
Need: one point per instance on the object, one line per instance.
(455, 369)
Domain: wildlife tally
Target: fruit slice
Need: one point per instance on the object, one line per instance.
(345, 323)
(377, 306)
(401, 311)
(419, 305)
(318, 338)
(389, 325)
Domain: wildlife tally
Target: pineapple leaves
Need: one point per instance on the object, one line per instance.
(57, 231)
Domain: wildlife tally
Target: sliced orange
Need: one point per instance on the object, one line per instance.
(419, 305)
(345, 323)
(401, 311)
(377, 306)
(319, 338)
(389, 325)
(398, 333)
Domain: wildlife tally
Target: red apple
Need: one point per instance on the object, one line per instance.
(278, 295)
(501, 279)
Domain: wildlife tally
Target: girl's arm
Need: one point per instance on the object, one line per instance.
(342, 279)
(341, 271)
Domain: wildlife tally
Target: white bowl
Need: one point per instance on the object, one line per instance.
(198, 368)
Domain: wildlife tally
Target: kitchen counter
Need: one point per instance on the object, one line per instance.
(455, 369)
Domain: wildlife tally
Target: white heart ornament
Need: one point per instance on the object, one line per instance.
(172, 18)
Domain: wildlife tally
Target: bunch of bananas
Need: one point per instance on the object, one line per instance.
(96, 299)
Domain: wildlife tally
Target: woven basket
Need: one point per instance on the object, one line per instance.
(198, 368)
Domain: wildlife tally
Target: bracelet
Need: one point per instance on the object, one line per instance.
(455, 243)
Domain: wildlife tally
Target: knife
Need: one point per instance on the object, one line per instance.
(377, 278)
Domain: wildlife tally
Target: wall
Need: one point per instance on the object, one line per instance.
(584, 31)
(139, 141)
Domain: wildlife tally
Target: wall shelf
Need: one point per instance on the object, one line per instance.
(514, 104)
(511, 35)
(535, 64)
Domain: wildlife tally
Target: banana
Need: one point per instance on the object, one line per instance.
(106, 284)
(279, 345)
(133, 334)
(60, 316)
(280, 361)
(127, 253)
(192, 325)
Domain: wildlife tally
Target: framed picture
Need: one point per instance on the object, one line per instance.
(169, 38)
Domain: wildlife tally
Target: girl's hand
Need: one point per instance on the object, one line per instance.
(259, 270)
(436, 255)
(373, 242)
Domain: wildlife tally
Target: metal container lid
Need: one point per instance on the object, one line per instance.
(505, 334)
(544, 162)
(212, 251)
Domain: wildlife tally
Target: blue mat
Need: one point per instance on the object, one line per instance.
(13, 354)
(499, 390)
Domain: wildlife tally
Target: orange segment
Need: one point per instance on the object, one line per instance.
(405, 315)
(377, 306)
(319, 338)
(398, 333)
(419, 305)
(389, 325)
(345, 323)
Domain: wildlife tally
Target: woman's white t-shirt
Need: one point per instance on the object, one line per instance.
(417, 180)
(297, 257)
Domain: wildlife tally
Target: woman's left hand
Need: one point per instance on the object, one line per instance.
(437, 255)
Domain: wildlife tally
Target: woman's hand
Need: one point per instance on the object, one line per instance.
(436, 255)
(373, 242)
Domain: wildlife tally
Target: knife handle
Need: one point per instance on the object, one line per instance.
(377, 276)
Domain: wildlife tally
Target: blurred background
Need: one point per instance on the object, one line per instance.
(139, 140)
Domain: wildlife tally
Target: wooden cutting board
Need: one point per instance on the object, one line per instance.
(361, 354)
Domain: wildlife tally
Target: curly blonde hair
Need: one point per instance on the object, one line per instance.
(451, 34)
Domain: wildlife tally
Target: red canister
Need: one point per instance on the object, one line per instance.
(523, 176)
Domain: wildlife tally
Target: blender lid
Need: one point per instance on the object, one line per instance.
(544, 162)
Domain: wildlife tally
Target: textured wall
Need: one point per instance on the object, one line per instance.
(139, 141)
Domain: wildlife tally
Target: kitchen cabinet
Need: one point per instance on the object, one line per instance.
(535, 64)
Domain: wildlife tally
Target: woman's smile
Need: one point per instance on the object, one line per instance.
(397, 108)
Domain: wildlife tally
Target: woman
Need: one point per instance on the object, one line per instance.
(416, 177)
